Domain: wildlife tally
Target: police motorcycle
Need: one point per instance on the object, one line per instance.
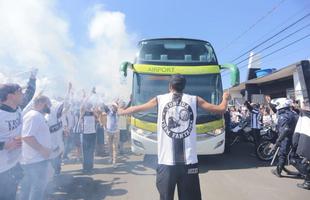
(243, 132)
(302, 164)
(268, 138)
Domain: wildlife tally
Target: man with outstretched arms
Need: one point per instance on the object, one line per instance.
(176, 127)
(12, 101)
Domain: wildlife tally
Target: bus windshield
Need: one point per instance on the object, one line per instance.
(176, 51)
(207, 86)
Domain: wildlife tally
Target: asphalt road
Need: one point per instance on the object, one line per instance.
(234, 176)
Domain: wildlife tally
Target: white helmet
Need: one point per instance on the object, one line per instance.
(282, 103)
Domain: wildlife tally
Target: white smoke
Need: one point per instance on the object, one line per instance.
(111, 46)
(33, 34)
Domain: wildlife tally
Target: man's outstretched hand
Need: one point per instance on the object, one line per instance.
(226, 96)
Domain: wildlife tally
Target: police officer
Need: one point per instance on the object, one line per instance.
(286, 126)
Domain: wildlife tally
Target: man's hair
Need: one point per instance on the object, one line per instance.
(6, 89)
(40, 99)
(177, 82)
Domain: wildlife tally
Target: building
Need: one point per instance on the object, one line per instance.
(292, 81)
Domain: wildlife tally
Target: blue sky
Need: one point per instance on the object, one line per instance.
(74, 38)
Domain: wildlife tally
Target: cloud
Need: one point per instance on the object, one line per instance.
(3, 78)
(33, 34)
(107, 25)
(111, 45)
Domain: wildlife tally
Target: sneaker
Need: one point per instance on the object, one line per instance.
(292, 173)
(276, 173)
(304, 185)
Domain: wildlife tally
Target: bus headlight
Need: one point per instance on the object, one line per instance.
(141, 131)
(145, 133)
(216, 132)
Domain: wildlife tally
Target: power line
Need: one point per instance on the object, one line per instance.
(291, 53)
(280, 25)
(307, 15)
(273, 52)
(283, 22)
(252, 26)
(276, 42)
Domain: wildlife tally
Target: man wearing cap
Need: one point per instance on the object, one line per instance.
(112, 131)
(88, 120)
(177, 154)
(12, 101)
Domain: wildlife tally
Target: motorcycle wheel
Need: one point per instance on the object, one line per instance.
(263, 150)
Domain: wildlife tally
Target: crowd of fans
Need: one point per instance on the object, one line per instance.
(40, 134)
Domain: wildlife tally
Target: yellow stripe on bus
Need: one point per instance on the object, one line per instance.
(188, 70)
(203, 128)
(148, 126)
(200, 128)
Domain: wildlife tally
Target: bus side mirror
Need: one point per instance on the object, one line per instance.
(124, 66)
(234, 73)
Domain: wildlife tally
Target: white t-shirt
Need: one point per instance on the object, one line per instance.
(70, 120)
(235, 116)
(10, 127)
(89, 123)
(267, 120)
(176, 128)
(122, 122)
(112, 122)
(36, 126)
